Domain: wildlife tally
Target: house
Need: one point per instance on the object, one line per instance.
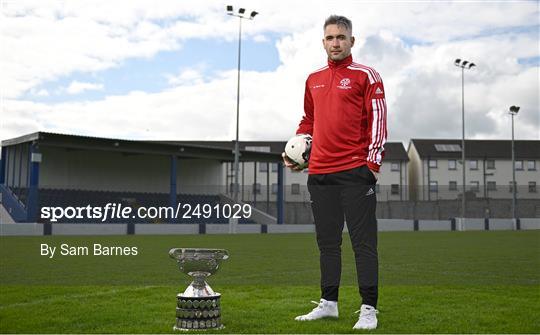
(435, 169)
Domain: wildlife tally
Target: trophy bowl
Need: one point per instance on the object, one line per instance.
(199, 306)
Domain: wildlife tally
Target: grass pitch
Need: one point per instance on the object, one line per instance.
(431, 282)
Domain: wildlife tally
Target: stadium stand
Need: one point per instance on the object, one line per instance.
(47, 169)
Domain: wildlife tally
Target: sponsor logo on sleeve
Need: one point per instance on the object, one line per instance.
(379, 93)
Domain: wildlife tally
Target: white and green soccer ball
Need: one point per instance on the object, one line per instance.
(298, 149)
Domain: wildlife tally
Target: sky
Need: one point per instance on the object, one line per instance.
(167, 70)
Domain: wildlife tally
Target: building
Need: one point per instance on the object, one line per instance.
(258, 180)
(44, 169)
(435, 169)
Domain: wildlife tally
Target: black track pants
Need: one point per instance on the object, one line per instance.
(346, 195)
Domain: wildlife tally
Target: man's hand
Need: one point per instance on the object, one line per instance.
(375, 174)
(290, 164)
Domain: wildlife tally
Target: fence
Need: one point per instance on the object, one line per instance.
(63, 229)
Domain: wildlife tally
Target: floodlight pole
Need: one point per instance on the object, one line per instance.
(236, 144)
(463, 64)
(513, 111)
(240, 15)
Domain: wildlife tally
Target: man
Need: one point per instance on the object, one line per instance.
(345, 112)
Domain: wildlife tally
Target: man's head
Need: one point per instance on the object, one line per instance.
(338, 39)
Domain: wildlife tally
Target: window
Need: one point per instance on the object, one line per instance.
(274, 167)
(394, 189)
(490, 164)
(394, 166)
(491, 186)
(433, 186)
(452, 186)
(433, 163)
(518, 165)
(257, 188)
(532, 187)
(510, 187)
(475, 186)
(473, 164)
(263, 167)
(451, 164)
(295, 188)
(531, 165)
(274, 188)
(257, 148)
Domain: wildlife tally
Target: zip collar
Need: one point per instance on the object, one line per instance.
(341, 63)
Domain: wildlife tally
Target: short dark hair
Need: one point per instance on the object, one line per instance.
(340, 21)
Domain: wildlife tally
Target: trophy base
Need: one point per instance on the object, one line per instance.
(192, 329)
(198, 313)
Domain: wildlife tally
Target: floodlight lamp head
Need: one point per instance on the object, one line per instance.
(457, 61)
(253, 14)
(514, 109)
(471, 65)
(242, 10)
(229, 9)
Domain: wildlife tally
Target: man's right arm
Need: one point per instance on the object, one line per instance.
(306, 124)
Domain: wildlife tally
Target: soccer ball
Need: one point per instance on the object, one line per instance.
(298, 149)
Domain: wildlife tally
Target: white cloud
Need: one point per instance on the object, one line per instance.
(194, 75)
(260, 38)
(42, 93)
(39, 92)
(423, 86)
(187, 76)
(76, 87)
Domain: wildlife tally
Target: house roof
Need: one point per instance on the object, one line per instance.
(479, 149)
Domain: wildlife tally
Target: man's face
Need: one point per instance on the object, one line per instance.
(337, 42)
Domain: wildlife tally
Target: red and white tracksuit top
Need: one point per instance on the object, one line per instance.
(345, 112)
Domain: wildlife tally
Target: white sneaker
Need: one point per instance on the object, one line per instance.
(324, 309)
(367, 319)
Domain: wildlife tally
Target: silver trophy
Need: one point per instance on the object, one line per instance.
(199, 306)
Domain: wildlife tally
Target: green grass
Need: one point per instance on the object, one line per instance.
(431, 282)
